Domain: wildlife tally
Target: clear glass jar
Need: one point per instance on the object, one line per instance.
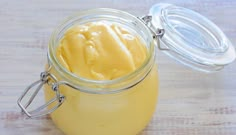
(122, 106)
(125, 105)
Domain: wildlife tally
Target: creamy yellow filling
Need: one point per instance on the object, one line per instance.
(103, 51)
(100, 51)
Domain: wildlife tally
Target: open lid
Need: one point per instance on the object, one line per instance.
(191, 38)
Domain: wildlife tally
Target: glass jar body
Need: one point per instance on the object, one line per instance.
(122, 106)
(123, 113)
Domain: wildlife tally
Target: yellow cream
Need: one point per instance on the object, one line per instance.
(103, 51)
(100, 51)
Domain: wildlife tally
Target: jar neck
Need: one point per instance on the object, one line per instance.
(104, 86)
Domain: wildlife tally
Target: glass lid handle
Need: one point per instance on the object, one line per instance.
(157, 33)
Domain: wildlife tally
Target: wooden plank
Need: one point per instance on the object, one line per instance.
(190, 103)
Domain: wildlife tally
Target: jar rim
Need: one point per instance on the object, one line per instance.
(102, 86)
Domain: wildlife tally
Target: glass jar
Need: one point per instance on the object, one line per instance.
(122, 106)
(125, 105)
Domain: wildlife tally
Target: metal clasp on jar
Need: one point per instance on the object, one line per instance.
(48, 79)
(157, 33)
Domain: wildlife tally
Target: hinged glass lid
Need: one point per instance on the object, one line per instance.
(191, 38)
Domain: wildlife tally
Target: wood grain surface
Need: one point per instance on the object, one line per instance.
(190, 102)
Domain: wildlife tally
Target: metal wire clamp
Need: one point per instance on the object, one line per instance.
(45, 78)
(157, 33)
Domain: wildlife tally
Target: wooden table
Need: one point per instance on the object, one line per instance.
(190, 102)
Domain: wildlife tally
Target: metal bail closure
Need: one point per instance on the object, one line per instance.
(157, 32)
(45, 78)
